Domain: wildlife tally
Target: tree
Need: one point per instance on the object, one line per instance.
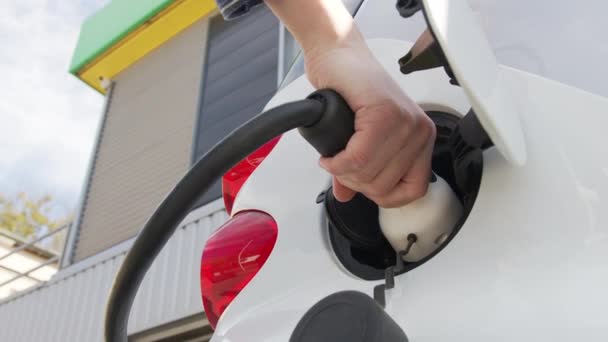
(27, 218)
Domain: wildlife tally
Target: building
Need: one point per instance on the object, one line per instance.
(176, 78)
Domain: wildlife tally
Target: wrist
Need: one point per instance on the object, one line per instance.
(326, 45)
(317, 25)
(333, 27)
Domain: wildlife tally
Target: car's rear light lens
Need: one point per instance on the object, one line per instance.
(234, 179)
(232, 257)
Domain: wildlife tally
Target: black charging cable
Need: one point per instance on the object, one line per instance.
(324, 120)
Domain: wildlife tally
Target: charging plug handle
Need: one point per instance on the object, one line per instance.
(334, 128)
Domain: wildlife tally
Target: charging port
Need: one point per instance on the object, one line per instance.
(353, 227)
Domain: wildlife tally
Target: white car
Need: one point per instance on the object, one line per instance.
(521, 142)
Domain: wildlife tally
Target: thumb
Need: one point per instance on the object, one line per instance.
(342, 193)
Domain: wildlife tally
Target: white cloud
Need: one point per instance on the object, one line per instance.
(48, 119)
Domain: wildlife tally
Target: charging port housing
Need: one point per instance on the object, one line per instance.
(353, 227)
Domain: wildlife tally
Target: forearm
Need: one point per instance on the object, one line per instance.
(317, 24)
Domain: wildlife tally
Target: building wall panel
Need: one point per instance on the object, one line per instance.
(145, 144)
(71, 306)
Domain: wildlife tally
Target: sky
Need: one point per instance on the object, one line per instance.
(48, 118)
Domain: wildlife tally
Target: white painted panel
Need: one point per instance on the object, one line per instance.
(71, 306)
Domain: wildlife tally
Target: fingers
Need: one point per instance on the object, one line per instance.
(394, 171)
(402, 179)
(412, 186)
(381, 132)
(341, 192)
(388, 177)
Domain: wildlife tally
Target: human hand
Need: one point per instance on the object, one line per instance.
(388, 159)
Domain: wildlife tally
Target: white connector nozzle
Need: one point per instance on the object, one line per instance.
(431, 218)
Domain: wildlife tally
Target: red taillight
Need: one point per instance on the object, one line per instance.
(232, 257)
(233, 179)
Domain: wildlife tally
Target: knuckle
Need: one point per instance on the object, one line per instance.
(388, 109)
(416, 192)
(404, 132)
(359, 159)
(363, 177)
(412, 132)
(393, 115)
(427, 129)
(407, 124)
(396, 114)
(382, 188)
(409, 120)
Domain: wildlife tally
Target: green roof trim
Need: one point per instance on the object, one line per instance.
(110, 25)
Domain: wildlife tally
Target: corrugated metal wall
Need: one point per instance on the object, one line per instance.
(70, 308)
(240, 77)
(145, 145)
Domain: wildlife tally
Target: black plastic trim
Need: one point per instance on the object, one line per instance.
(347, 316)
(408, 8)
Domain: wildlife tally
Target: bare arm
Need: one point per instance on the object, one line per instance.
(315, 23)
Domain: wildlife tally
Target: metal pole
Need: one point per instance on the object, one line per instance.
(281, 55)
(32, 243)
(19, 273)
(27, 274)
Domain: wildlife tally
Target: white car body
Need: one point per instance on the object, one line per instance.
(529, 263)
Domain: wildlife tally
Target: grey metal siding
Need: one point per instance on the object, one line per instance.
(73, 232)
(146, 142)
(240, 77)
(70, 307)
